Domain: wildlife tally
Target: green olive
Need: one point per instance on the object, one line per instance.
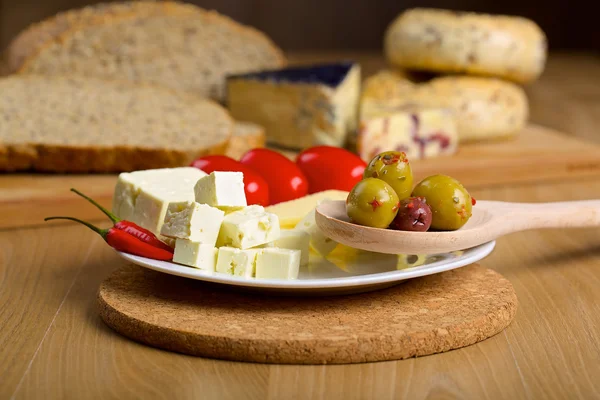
(372, 202)
(393, 168)
(448, 199)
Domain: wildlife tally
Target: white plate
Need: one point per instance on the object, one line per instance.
(350, 271)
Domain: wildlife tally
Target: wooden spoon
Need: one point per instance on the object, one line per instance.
(490, 220)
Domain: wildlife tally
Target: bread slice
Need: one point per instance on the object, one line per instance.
(73, 124)
(30, 40)
(177, 45)
(246, 136)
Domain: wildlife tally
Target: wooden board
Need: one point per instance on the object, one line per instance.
(537, 154)
(422, 316)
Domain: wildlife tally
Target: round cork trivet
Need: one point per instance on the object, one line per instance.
(423, 316)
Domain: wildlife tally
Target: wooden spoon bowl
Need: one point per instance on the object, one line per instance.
(490, 220)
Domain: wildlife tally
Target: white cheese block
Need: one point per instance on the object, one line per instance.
(237, 262)
(294, 239)
(318, 241)
(274, 263)
(221, 189)
(249, 227)
(291, 212)
(195, 254)
(194, 221)
(419, 132)
(299, 106)
(143, 196)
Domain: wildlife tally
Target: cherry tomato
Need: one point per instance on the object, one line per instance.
(286, 181)
(255, 187)
(328, 167)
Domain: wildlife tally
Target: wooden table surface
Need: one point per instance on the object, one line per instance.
(54, 345)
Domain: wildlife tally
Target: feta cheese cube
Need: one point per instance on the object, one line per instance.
(294, 239)
(248, 228)
(274, 263)
(195, 254)
(221, 189)
(237, 262)
(190, 220)
(142, 197)
(318, 241)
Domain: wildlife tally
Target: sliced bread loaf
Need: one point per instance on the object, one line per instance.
(30, 40)
(246, 136)
(177, 45)
(65, 124)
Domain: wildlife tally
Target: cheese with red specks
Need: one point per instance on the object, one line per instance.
(419, 132)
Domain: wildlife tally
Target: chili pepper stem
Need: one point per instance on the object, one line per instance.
(101, 232)
(110, 215)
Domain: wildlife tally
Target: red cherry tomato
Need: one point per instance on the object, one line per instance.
(286, 181)
(209, 164)
(328, 167)
(256, 188)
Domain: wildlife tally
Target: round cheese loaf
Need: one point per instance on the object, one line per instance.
(387, 84)
(508, 47)
(485, 108)
(246, 136)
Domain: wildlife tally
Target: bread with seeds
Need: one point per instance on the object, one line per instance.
(174, 44)
(73, 124)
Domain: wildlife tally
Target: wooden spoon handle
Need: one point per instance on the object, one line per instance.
(567, 214)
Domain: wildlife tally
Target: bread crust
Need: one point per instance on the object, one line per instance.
(106, 159)
(254, 137)
(31, 39)
(429, 39)
(72, 159)
(35, 37)
(21, 64)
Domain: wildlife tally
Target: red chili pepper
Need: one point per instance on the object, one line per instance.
(123, 241)
(131, 228)
(473, 201)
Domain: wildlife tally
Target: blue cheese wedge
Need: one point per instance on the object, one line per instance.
(275, 263)
(195, 254)
(419, 132)
(299, 106)
(249, 227)
(194, 221)
(318, 241)
(143, 196)
(237, 262)
(224, 190)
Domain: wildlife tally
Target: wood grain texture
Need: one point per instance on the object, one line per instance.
(490, 220)
(33, 286)
(550, 351)
(537, 154)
